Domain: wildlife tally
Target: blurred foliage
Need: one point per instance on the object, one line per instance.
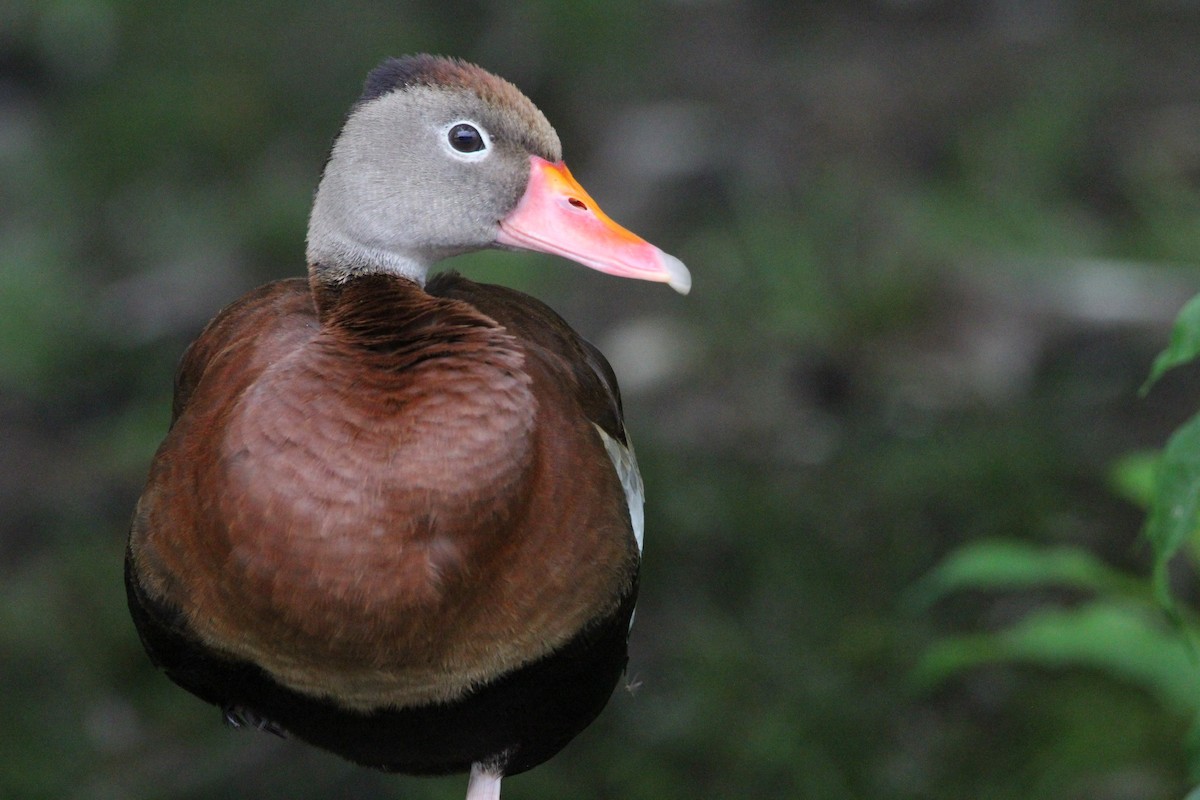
(1175, 503)
(1121, 628)
(935, 245)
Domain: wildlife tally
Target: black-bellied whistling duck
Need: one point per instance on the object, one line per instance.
(397, 518)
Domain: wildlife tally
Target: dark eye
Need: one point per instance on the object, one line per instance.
(466, 138)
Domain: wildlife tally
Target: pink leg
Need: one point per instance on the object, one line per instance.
(484, 784)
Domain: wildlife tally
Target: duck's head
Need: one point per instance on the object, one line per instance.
(439, 157)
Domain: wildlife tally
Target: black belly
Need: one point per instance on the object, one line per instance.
(515, 722)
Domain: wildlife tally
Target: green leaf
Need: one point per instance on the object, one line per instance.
(1133, 477)
(1012, 564)
(1183, 347)
(1125, 640)
(1176, 508)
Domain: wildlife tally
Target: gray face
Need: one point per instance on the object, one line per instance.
(397, 195)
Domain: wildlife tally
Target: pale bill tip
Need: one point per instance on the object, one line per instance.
(678, 277)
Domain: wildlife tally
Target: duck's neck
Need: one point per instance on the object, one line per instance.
(335, 260)
(364, 300)
(392, 314)
(336, 263)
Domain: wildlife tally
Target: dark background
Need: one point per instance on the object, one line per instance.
(935, 247)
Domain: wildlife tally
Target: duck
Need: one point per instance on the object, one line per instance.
(397, 515)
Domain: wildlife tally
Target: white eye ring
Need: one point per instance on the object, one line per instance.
(470, 133)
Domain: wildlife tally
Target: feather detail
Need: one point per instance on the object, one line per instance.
(625, 463)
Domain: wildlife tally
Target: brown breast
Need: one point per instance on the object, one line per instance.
(391, 501)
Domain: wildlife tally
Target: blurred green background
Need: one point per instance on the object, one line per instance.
(892, 531)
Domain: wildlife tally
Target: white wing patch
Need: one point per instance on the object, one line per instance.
(625, 463)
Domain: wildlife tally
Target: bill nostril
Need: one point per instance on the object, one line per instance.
(575, 201)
